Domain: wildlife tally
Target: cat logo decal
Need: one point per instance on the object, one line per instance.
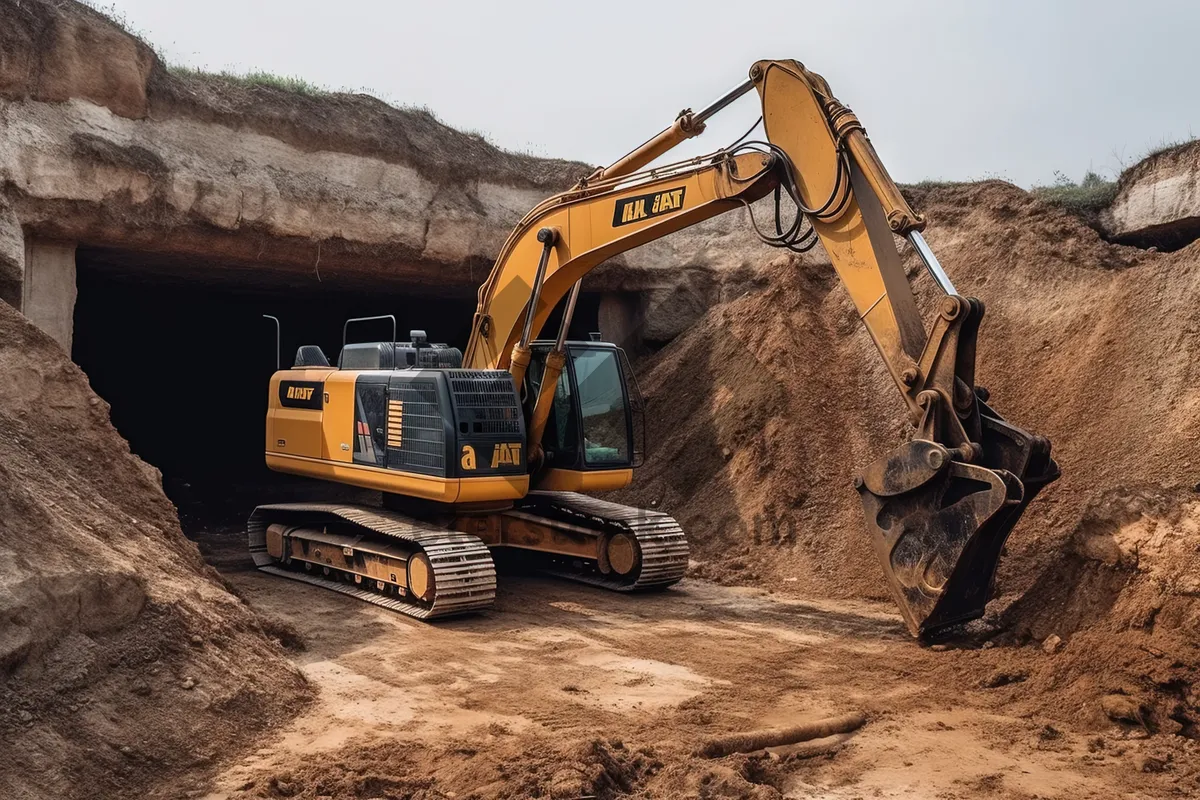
(503, 454)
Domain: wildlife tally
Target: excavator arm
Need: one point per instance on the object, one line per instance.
(940, 507)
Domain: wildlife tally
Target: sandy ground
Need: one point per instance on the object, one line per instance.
(557, 662)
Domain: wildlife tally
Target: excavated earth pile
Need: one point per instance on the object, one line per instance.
(124, 660)
(1094, 345)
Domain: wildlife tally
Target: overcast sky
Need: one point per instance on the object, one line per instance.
(1017, 89)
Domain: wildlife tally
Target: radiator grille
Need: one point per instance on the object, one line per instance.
(421, 433)
(486, 403)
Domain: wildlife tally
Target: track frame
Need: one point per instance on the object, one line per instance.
(463, 575)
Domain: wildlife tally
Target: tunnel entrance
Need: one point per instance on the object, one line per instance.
(185, 364)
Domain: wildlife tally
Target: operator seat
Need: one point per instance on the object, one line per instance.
(310, 356)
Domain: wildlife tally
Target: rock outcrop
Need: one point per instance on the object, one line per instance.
(1158, 201)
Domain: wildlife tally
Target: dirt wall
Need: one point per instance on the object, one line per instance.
(124, 660)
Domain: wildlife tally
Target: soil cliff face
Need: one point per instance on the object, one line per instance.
(1158, 201)
(123, 658)
(103, 145)
(212, 178)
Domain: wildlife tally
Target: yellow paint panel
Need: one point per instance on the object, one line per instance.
(339, 417)
(443, 490)
(296, 431)
(569, 480)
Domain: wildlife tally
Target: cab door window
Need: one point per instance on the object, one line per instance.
(602, 407)
(560, 440)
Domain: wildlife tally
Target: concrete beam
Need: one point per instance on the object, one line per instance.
(48, 290)
(12, 256)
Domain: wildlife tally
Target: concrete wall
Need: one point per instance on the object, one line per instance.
(48, 290)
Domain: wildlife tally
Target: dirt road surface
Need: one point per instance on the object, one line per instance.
(567, 691)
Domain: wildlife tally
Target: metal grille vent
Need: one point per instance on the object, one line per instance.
(421, 433)
(486, 402)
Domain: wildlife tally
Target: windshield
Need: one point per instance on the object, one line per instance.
(602, 406)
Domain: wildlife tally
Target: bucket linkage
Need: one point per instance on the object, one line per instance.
(941, 506)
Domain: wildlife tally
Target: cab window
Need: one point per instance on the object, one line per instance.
(602, 407)
(559, 440)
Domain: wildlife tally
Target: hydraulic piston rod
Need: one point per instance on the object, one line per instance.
(686, 125)
(931, 263)
(556, 360)
(521, 353)
(710, 111)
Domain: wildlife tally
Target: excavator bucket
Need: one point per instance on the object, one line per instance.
(939, 524)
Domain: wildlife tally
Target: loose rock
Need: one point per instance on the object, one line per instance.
(1145, 763)
(1122, 708)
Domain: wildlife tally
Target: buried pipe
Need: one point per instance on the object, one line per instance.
(757, 740)
(800, 750)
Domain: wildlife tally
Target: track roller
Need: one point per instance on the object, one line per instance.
(374, 555)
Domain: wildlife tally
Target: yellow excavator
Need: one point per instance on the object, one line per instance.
(495, 447)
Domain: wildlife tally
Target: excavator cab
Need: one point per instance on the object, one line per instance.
(589, 439)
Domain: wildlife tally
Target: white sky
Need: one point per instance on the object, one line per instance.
(987, 88)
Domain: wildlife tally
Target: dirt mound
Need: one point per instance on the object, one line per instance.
(1125, 596)
(1090, 344)
(123, 659)
(492, 764)
(515, 767)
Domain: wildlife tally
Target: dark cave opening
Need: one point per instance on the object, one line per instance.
(185, 364)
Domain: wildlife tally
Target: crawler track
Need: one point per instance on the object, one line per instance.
(662, 545)
(464, 577)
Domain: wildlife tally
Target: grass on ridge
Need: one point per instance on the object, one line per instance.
(1093, 193)
(257, 77)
